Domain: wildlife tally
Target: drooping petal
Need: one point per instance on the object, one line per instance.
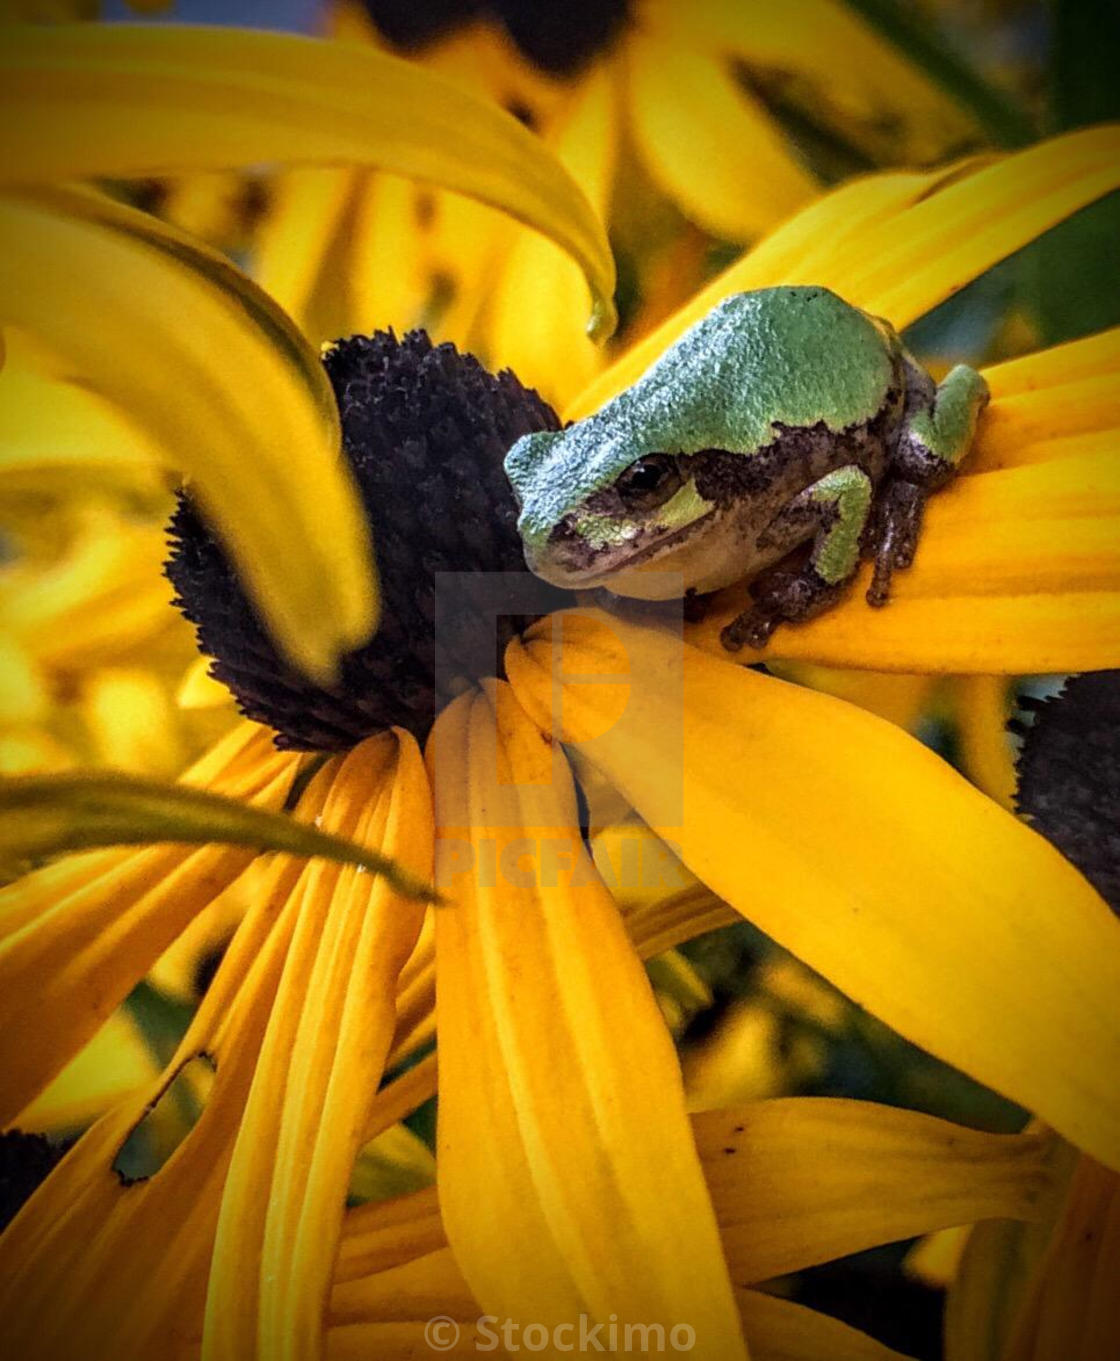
(376, 1237)
(320, 1064)
(916, 241)
(224, 384)
(802, 1180)
(576, 1137)
(861, 852)
(42, 815)
(218, 98)
(1017, 571)
(794, 1181)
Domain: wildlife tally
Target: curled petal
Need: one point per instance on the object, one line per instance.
(803, 1180)
(215, 98)
(222, 382)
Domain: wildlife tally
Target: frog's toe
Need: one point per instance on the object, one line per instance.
(896, 528)
(752, 628)
(781, 595)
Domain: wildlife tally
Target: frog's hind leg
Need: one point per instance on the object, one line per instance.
(837, 507)
(936, 434)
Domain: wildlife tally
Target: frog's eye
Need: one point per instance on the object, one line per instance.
(649, 482)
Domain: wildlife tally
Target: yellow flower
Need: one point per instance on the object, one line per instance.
(571, 1181)
(662, 112)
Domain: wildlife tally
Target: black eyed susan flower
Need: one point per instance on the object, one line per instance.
(670, 116)
(571, 1184)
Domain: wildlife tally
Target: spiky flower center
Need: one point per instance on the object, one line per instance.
(1069, 776)
(426, 430)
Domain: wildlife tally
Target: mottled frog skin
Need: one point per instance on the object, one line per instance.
(783, 436)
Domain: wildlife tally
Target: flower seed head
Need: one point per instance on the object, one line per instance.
(425, 429)
(1069, 776)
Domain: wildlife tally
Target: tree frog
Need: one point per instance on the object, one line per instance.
(781, 438)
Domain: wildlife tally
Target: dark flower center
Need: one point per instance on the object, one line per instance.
(1069, 776)
(426, 430)
(25, 1161)
(559, 38)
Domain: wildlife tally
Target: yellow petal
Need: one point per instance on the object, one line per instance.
(421, 1288)
(711, 145)
(76, 936)
(834, 222)
(935, 1258)
(319, 1067)
(861, 852)
(103, 595)
(1058, 403)
(827, 57)
(23, 697)
(595, 1202)
(45, 814)
(537, 327)
(779, 1330)
(132, 722)
(1070, 1313)
(51, 426)
(402, 1096)
(296, 234)
(115, 1064)
(222, 381)
(913, 242)
(983, 706)
(118, 1270)
(199, 690)
(998, 1267)
(941, 244)
(802, 1180)
(396, 1162)
(1017, 571)
(212, 99)
(376, 1237)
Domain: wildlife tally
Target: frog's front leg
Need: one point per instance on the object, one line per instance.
(837, 507)
(935, 437)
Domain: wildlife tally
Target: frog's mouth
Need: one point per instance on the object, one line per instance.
(632, 559)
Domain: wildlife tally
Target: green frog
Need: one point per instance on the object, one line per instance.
(783, 437)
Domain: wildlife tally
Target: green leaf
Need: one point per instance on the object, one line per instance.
(45, 815)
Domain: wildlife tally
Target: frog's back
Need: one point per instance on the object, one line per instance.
(789, 356)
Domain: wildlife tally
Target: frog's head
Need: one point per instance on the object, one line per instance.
(598, 510)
